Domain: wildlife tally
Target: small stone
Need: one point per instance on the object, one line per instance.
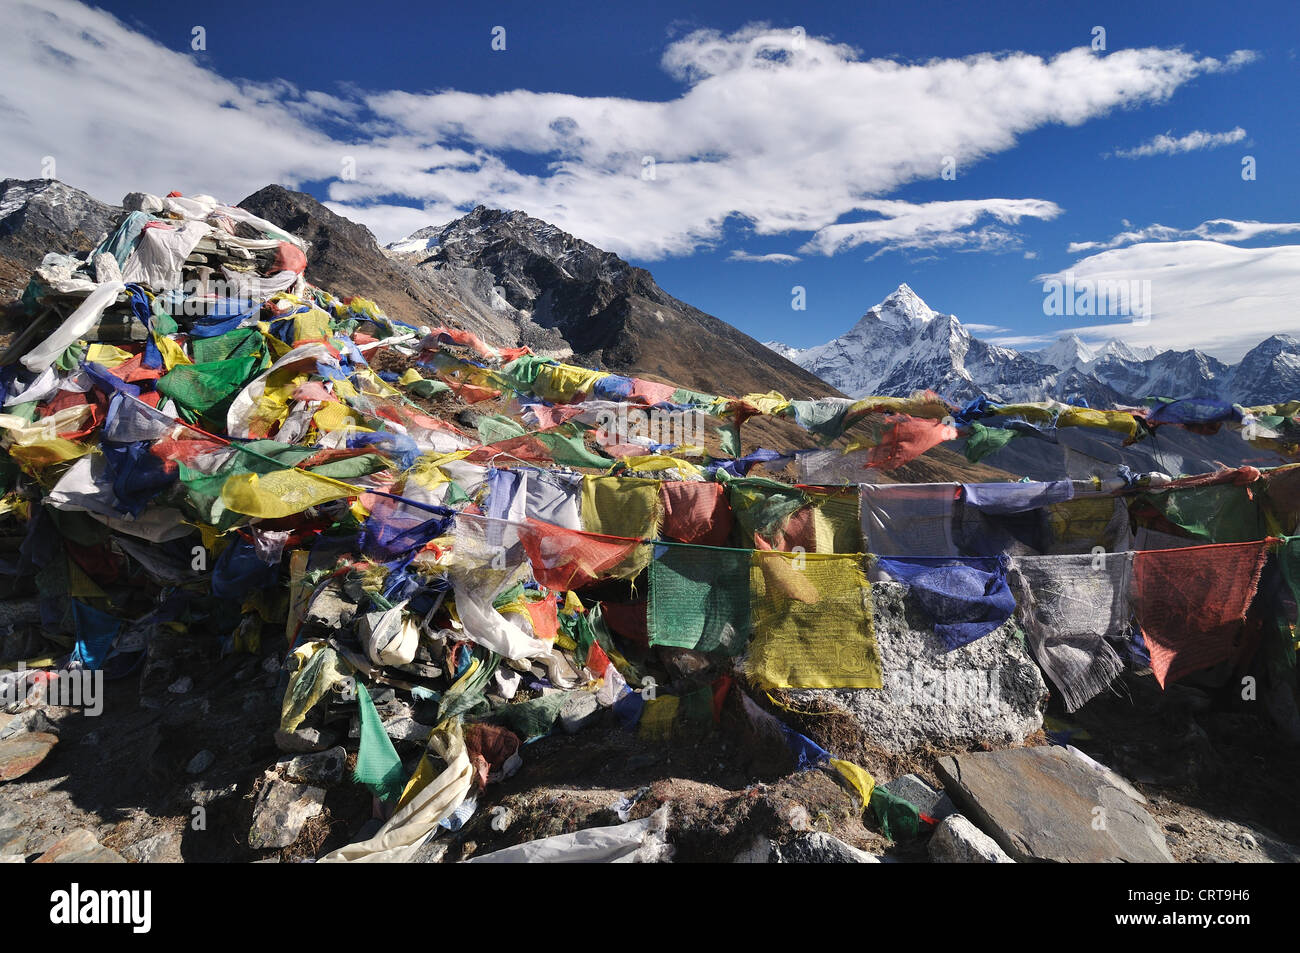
(818, 848)
(200, 762)
(22, 752)
(181, 685)
(196, 793)
(957, 841)
(913, 789)
(159, 849)
(1175, 828)
(1247, 840)
(280, 812)
(323, 769)
(580, 710)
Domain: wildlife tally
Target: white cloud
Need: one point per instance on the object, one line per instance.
(773, 258)
(1215, 230)
(1166, 145)
(784, 140)
(930, 225)
(1219, 298)
(985, 328)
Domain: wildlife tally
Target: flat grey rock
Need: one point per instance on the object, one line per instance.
(281, 810)
(159, 849)
(1044, 804)
(23, 752)
(987, 692)
(958, 841)
(79, 847)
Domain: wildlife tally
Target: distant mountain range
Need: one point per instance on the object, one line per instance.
(902, 345)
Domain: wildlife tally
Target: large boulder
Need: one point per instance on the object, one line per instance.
(989, 691)
(1045, 804)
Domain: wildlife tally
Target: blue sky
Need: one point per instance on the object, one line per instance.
(813, 133)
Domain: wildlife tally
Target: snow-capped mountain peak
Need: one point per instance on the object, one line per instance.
(903, 308)
(1066, 352)
(785, 350)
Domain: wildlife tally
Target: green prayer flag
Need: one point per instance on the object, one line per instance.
(699, 599)
(378, 766)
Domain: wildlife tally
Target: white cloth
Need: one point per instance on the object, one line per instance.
(48, 383)
(908, 519)
(390, 637)
(484, 625)
(643, 841)
(160, 253)
(77, 326)
(240, 284)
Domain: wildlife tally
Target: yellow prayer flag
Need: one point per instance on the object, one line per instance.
(280, 493)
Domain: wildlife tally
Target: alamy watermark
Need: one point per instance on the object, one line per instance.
(675, 428)
(1086, 297)
(971, 689)
(68, 688)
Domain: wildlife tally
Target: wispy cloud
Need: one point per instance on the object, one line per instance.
(756, 133)
(1166, 145)
(1215, 230)
(985, 328)
(904, 225)
(777, 258)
